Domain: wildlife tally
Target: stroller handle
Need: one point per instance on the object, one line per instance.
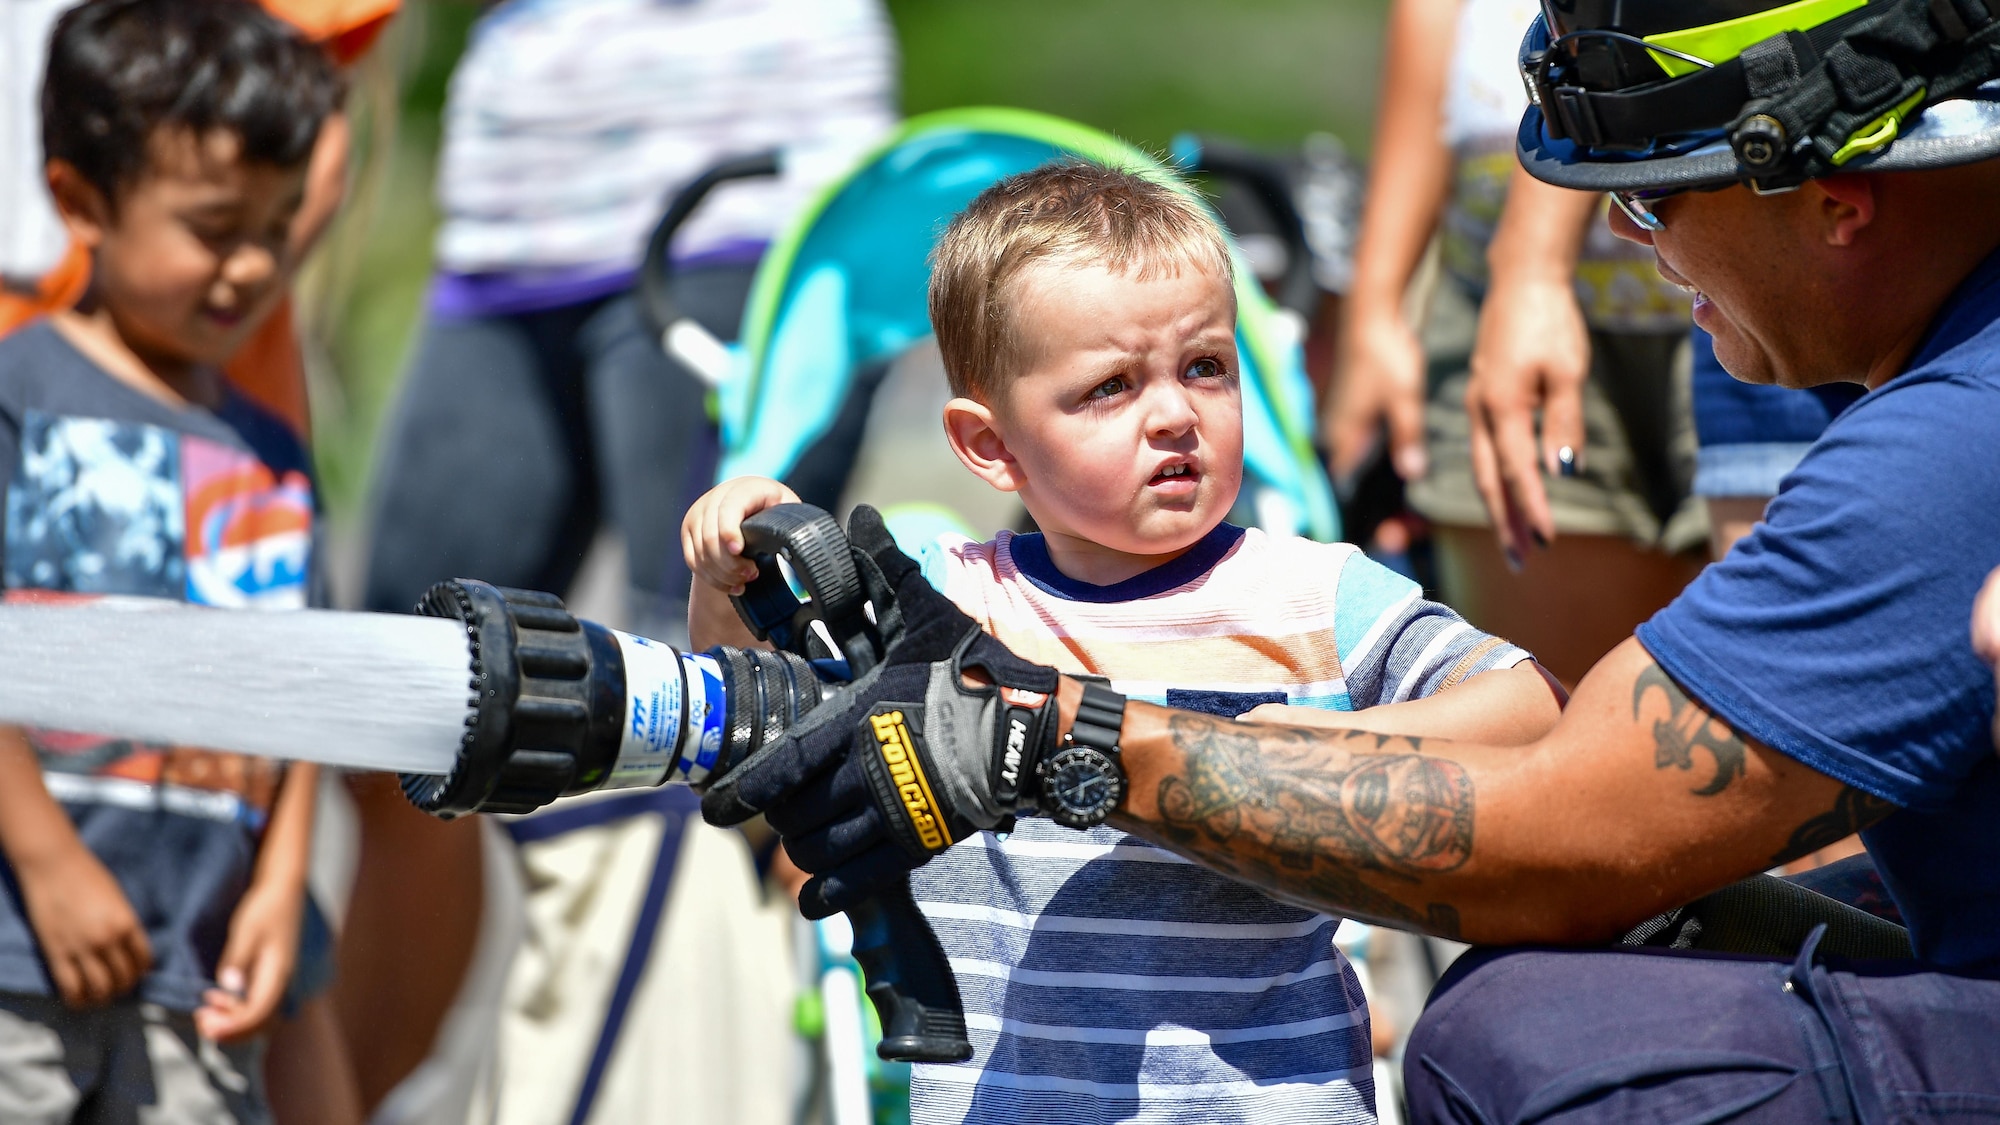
(656, 301)
(1264, 178)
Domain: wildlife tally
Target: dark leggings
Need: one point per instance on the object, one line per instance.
(516, 436)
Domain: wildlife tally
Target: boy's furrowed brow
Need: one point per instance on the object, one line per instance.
(1213, 339)
(1108, 359)
(1103, 362)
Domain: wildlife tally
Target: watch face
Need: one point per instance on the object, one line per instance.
(1081, 785)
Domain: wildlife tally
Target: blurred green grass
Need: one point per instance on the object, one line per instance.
(1264, 71)
(1267, 71)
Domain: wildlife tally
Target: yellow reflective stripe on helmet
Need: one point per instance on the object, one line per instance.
(1878, 132)
(1720, 42)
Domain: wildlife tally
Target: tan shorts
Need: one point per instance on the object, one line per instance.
(128, 1062)
(707, 1036)
(1639, 441)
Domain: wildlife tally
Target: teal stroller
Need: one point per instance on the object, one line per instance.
(832, 359)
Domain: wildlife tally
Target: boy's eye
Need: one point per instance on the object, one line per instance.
(1204, 369)
(213, 233)
(1109, 387)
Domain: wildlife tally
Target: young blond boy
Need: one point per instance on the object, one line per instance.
(1088, 325)
(152, 906)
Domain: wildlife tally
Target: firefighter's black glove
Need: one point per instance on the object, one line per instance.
(909, 758)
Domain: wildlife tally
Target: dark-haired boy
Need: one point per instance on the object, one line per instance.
(153, 895)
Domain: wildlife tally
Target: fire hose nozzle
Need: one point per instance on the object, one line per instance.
(559, 706)
(542, 721)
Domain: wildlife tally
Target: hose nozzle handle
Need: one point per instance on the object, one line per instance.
(909, 980)
(811, 544)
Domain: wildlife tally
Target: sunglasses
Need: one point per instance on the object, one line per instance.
(1638, 207)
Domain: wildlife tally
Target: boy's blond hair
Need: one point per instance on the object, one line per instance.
(1070, 212)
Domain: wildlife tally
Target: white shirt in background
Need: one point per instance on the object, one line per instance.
(570, 123)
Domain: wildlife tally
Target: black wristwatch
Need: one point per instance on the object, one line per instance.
(1083, 781)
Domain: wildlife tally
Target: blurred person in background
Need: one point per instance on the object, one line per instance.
(159, 907)
(1620, 522)
(43, 271)
(1751, 436)
(537, 409)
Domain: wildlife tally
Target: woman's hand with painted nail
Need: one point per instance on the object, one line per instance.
(1532, 359)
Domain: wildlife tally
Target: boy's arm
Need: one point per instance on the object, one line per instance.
(90, 937)
(1504, 707)
(263, 944)
(1453, 681)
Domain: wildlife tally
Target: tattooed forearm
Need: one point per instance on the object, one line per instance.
(1687, 727)
(1852, 811)
(1280, 806)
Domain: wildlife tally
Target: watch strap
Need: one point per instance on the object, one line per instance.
(1100, 717)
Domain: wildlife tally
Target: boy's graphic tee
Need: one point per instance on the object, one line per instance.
(1106, 979)
(104, 506)
(111, 493)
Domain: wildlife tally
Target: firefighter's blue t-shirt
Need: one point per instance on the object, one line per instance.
(1838, 631)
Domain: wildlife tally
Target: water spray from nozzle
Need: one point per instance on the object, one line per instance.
(363, 690)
